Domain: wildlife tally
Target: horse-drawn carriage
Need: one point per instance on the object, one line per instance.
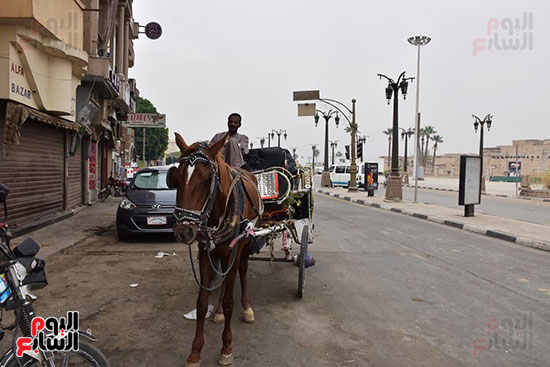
(231, 214)
(286, 191)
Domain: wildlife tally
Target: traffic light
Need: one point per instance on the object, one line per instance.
(360, 151)
(347, 151)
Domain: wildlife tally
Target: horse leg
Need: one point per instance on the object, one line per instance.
(248, 314)
(202, 306)
(226, 354)
(218, 313)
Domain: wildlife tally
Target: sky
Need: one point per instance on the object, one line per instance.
(248, 56)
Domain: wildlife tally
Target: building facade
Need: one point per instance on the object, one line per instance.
(63, 88)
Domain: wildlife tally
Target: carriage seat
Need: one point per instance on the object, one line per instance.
(263, 158)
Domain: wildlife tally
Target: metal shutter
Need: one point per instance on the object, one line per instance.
(34, 172)
(74, 189)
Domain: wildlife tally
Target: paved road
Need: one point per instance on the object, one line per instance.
(526, 210)
(387, 290)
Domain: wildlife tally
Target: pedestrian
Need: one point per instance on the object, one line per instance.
(235, 148)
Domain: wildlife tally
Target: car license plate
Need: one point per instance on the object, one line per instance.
(156, 221)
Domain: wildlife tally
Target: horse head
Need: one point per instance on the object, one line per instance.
(199, 180)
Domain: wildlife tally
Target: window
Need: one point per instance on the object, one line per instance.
(348, 169)
(340, 169)
(152, 180)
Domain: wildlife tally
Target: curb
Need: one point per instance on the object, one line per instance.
(458, 225)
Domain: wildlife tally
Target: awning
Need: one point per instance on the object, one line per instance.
(17, 114)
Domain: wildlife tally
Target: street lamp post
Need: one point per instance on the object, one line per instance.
(325, 178)
(417, 41)
(262, 141)
(313, 149)
(477, 122)
(394, 190)
(340, 107)
(279, 133)
(406, 134)
(333, 144)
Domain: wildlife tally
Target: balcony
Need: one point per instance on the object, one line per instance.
(105, 81)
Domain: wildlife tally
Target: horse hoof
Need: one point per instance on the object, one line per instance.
(248, 316)
(225, 359)
(218, 318)
(192, 364)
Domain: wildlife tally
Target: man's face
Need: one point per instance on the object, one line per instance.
(233, 124)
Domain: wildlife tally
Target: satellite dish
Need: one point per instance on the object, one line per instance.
(153, 30)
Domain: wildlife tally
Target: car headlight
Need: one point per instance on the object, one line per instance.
(126, 204)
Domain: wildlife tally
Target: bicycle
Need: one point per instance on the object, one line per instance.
(20, 273)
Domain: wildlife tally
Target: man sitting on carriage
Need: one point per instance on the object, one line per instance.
(236, 145)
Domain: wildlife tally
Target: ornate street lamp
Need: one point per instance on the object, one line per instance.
(405, 135)
(325, 178)
(340, 107)
(477, 124)
(333, 144)
(279, 133)
(394, 190)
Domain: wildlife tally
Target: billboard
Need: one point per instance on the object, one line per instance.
(469, 188)
(145, 120)
(512, 166)
(371, 167)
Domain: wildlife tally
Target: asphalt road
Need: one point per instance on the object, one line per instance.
(387, 290)
(520, 209)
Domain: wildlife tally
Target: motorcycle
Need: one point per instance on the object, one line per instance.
(114, 187)
(20, 273)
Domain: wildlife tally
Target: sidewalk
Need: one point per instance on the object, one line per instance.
(87, 222)
(501, 189)
(523, 233)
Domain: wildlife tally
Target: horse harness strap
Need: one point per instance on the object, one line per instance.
(201, 218)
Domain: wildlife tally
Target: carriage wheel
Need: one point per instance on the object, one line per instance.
(302, 261)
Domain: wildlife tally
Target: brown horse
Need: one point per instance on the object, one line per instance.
(214, 204)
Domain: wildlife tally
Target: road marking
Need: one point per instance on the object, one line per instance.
(545, 291)
(523, 280)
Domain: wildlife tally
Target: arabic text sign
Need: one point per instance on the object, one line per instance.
(145, 120)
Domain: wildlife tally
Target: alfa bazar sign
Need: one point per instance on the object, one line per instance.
(145, 120)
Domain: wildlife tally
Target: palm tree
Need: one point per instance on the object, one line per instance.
(436, 139)
(429, 131)
(389, 133)
(422, 136)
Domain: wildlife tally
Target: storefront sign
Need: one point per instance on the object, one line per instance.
(145, 120)
(92, 163)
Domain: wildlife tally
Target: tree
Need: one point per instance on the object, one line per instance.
(436, 139)
(428, 131)
(389, 133)
(156, 139)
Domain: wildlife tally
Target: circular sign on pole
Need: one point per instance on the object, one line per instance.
(153, 30)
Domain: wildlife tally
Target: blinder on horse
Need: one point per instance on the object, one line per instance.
(196, 221)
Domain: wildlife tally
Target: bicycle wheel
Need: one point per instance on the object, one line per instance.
(87, 355)
(103, 194)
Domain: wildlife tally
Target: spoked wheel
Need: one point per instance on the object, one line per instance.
(103, 194)
(302, 261)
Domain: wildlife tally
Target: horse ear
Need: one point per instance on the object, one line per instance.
(180, 142)
(214, 149)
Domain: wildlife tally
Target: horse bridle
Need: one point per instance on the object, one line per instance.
(194, 217)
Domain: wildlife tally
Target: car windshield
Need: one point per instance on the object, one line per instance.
(150, 180)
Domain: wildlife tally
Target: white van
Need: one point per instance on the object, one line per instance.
(340, 175)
